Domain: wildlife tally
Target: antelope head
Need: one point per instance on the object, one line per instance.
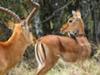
(23, 24)
(74, 24)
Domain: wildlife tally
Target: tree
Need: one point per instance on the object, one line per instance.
(91, 14)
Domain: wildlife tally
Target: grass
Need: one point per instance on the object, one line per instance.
(88, 67)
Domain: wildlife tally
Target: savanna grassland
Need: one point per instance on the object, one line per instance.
(88, 67)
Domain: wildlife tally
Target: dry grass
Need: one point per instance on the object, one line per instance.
(89, 67)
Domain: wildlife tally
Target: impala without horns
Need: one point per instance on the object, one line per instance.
(50, 48)
(12, 50)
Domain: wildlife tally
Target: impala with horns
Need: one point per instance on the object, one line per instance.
(12, 50)
(50, 48)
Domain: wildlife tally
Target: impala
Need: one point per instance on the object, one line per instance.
(50, 48)
(12, 50)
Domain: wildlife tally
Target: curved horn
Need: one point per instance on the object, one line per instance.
(11, 13)
(36, 6)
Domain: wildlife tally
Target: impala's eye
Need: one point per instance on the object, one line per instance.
(70, 21)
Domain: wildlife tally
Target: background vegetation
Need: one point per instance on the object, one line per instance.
(50, 17)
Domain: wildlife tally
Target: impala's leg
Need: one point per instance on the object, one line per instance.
(3, 66)
(46, 58)
(45, 67)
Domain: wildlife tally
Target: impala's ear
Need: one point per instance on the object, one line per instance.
(73, 12)
(76, 14)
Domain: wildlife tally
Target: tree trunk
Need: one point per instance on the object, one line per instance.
(86, 15)
(91, 14)
(38, 25)
(96, 18)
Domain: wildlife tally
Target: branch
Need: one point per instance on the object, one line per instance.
(53, 14)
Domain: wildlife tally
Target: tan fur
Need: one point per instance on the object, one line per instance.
(12, 50)
(77, 24)
(65, 47)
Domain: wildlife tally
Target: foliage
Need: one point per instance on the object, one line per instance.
(18, 6)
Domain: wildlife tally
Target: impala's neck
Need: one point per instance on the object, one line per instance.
(16, 36)
(15, 46)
